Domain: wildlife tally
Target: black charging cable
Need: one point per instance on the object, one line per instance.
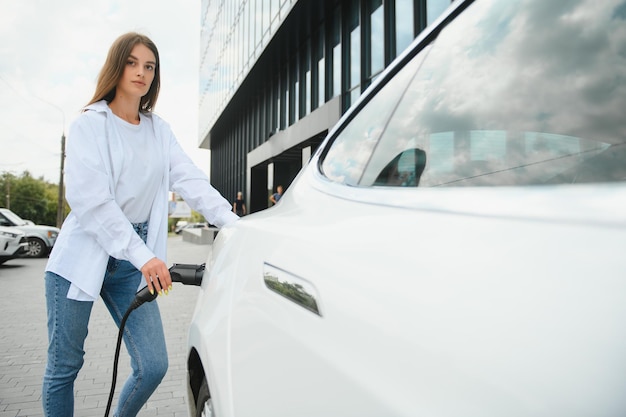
(187, 274)
(142, 296)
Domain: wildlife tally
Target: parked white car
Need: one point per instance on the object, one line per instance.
(41, 238)
(13, 244)
(456, 245)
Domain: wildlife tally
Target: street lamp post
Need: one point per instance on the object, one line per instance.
(61, 202)
(61, 198)
(7, 182)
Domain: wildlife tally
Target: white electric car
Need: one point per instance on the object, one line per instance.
(455, 247)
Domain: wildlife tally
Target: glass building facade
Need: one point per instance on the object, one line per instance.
(276, 75)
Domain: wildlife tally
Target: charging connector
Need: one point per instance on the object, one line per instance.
(187, 274)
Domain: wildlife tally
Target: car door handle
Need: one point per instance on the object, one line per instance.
(295, 289)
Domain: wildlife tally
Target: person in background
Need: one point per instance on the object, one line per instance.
(122, 160)
(274, 198)
(239, 206)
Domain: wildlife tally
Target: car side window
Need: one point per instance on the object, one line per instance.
(350, 151)
(493, 105)
(4, 221)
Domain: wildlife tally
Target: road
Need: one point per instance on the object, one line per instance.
(24, 341)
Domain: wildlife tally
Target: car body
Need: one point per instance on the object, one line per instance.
(455, 245)
(13, 243)
(41, 238)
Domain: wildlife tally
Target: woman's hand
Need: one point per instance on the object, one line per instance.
(157, 276)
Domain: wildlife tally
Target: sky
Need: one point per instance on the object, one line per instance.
(51, 53)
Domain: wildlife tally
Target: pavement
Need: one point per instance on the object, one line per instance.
(23, 343)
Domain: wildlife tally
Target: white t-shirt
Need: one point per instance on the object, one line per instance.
(142, 172)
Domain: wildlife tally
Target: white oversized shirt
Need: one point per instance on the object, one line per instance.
(97, 227)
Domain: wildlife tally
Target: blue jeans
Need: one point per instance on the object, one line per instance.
(67, 329)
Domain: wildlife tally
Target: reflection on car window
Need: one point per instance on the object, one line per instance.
(405, 170)
(481, 158)
(511, 93)
(352, 149)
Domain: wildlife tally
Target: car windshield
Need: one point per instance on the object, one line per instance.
(511, 93)
(13, 218)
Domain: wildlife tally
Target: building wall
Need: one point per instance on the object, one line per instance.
(276, 75)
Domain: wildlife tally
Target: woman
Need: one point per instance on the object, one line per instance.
(121, 162)
(239, 206)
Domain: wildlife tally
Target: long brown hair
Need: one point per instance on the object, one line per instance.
(113, 69)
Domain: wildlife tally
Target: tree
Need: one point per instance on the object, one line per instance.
(30, 198)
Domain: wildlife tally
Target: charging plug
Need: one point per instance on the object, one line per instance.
(187, 274)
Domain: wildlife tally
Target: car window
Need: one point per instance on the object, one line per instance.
(12, 218)
(4, 221)
(353, 147)
(511, 93)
